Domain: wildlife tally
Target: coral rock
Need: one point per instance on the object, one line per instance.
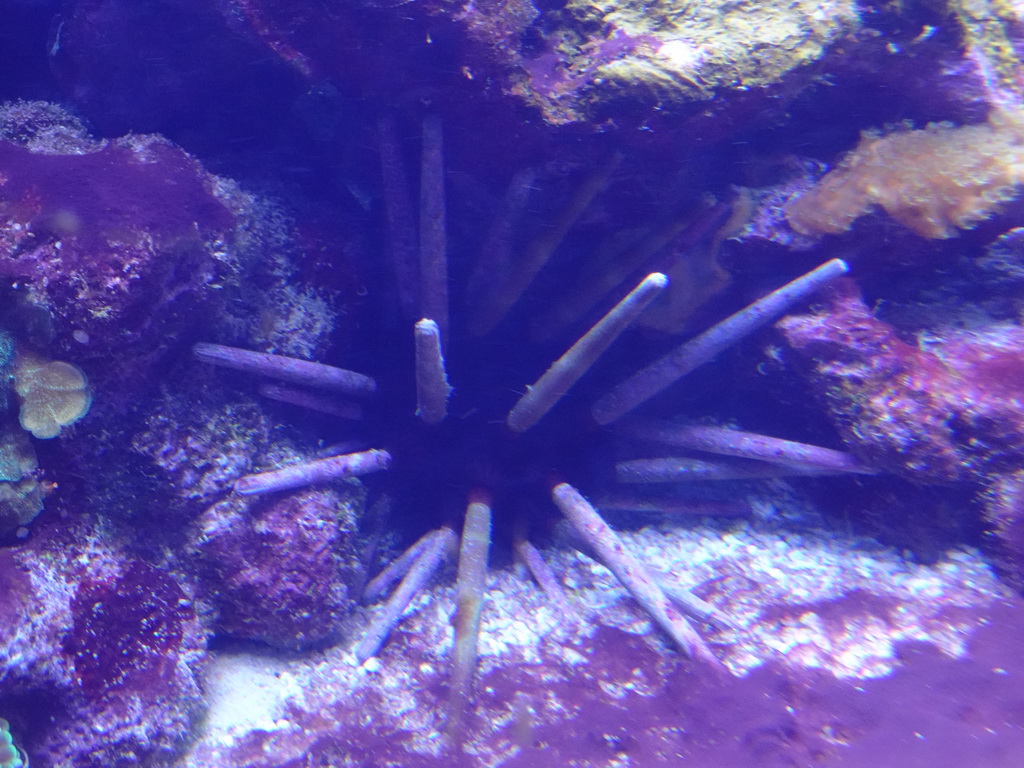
(1004, 510)
(200, 446)
(929, 417)
(36, 605)
(115, 239)
(280, 571)
(21, 494)
(108, 648)
(136, 647)
(669, 54)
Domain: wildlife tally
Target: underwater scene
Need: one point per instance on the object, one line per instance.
(511, 383)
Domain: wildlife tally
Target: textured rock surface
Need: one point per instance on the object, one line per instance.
(101, 654)
(941, 414)
(112, 241)
(280, 570)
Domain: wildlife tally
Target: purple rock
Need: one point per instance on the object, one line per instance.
(100, 654)
(280, 570)
(136, 647)
(1004, 511)
(115, 239)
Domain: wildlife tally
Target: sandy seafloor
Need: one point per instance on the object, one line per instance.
(810, 600)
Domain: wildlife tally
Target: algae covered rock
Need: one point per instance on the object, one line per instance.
(667, 53)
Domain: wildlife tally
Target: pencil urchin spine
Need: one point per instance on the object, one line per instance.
(470, 591)
(315, 472)
(746, 445)
(432, 389)
(288, 369)
(420, 571)
(567, 370)
(632, 574)
(311, 400)
(544, 576)
(648, 382)
(538, 252)
(395, 571)
(433, 234)
(675, 469)
(400, 217)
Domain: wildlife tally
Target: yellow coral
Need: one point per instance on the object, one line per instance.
(933, 181)
(53, 394)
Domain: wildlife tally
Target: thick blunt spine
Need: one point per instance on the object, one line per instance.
(401, 220)
(539, 251)
(640, 582)
(544, 576)
(433, 235)
(470, 590)
(420, 572)
(676, 469)
(382, 583)
(432, 388)
(747, 445)
(288, 369)
(311, 400)
(648, 382)
(567, 370)
(314, 472)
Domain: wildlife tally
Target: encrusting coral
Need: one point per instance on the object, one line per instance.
(933, 181)
(53, 394)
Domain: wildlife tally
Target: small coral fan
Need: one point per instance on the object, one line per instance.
(53, 394)
(933, 181)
